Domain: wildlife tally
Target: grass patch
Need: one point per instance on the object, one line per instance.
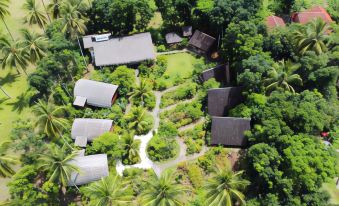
(333, 191)
(183, 92)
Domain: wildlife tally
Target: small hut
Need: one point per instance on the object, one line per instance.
(201, 42)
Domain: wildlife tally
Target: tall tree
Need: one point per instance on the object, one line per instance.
(224, 188)
(47, 14)
(34, 14)
(6, 161)
(35, 44)
(311, 38)
(3, 13)
(141, 92)
(163, 191)
(54, 8)
(57, 163)
(131, 146)
(13, 55)
(73, 24)
(50, 118)
(109, 191)
(281, 76)
(137, 119)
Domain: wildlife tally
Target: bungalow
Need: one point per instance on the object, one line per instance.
(221, 100)
(273, 22)
(107, 50)
(201, 42)
(94, 93)
(91, 168)
(187, 31)
(220, 73)
(306, 16)
(172, 38)
(84, 130)
(229, 131)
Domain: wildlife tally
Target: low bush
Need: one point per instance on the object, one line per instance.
(194, 138)
(195, 175)
(160, 149)
(185, 91)
(167, 130)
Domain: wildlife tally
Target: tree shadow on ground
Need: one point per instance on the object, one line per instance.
(20, 103)
(9, 78)
(2, 101)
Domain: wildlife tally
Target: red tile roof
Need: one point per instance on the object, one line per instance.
(274, 21)
(311, 14)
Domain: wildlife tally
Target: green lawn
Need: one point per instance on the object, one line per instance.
(180, 65)
(334, 192)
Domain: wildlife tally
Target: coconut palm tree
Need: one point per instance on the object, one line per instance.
(54, 8)
(312, 38)
(3, 13)
(6, 161)
(163, 191)
(57, 163)
(50, 118)
(224, 188)
(13, 55)
(109, 191)
(35, 44)
(136, 119)
(141, 92)
(34, 14)
(131, 146)
(281, 77)
(47, 14)
(73, 24)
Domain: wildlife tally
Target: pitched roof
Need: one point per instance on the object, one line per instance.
(201, 40)
(229, 131)
(219, 73)
(187, 31)
(172, 38)
(221, 100)
(306, 16)
(90, 128)
(274, 21)
(96, 93)
(121, 50)
(92, 168)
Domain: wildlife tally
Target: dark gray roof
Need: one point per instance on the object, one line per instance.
(221, 100)
(187, 31)
(97, 94)
(121, 50)
(92, 168)
(229, 131)
(219, 73)
(90, 128)
(172, 38)
(201, 40)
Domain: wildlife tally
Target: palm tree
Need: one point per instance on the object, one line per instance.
(108, 191)
(163, 191)
(50, 118)
(281, 76)
(35, 44)
(57, 162)
(131, 146)
(312, 38)
(34, 14)
(141, 92)
(54, 8)
(136, 119)
(3, 13)
(13, 55)
(223, 188)
(73, 24)
(43, 4)
(6, 161)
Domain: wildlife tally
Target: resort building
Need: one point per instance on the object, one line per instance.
(84, 130)
(91, 168)
(220, 73)
(201, 42)
(94, 93)
(107, 50)
(309, 15)
(229, 131)
(187, 31)
(273, 22)
(173, 38)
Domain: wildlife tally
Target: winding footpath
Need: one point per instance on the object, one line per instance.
(145, 162)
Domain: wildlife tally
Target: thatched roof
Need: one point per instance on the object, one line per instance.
(94, 93)
(91, 168)
(90, 128)
(306, 16)
(187, 31)
(121, 50)
(274, 21)
(219, 73)
(229, 131)
(201, 41)
(221, 100)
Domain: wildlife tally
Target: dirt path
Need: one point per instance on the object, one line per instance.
(171, 52)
